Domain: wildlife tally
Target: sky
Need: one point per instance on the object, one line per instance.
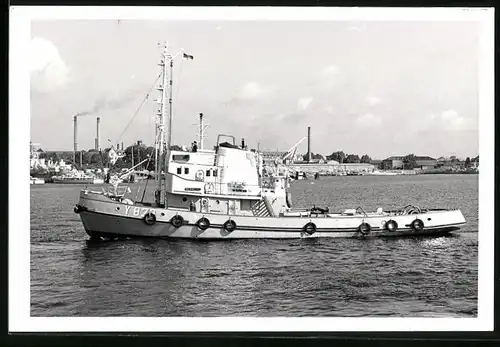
(380, 88)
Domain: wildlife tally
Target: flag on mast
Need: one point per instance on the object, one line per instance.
(187, 56)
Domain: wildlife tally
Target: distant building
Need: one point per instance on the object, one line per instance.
(269, 158)
(397, 162)
(394, 162)
(474, 163)
(425, 161)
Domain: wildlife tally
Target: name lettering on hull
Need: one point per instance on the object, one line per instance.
(138, 211)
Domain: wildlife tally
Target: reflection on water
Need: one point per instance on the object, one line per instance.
(72, 276)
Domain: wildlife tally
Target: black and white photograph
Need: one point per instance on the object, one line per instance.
(247, 166)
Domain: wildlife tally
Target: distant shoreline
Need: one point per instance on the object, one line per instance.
(449, 173)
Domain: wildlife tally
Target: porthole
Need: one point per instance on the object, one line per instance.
(118, 208)
(217, 202)
(184, 199)
(162, 214)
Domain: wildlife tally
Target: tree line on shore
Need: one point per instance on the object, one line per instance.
(341, 157)
(100, 159)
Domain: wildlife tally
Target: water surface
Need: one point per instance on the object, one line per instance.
(412, 277)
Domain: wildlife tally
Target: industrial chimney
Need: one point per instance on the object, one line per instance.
(97, 144)
(75, 148)
(309, 144)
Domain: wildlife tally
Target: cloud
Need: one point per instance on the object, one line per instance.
(329, 71)
(48, 70)
(454, 121)
(304, 103)
(252, 90)
(373, 100)
(358, 28)
(329, 76)
(369, 119)
(328, 109)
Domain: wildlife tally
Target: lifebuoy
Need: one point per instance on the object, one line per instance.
(177, 221)
(209, 188)
(199, 175)
(229, 225)
(150, 218)
(203, 223)
(310, 228)
(417, 225)
(289, 200)
(364, 228)
(391, 225)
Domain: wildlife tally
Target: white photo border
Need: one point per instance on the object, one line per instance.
(19, 192)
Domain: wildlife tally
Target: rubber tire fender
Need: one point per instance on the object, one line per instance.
(310, 228)
(177, 221)
(417, 225)
(149, 218)
(230, 225)
(203, 223)
(364, 228)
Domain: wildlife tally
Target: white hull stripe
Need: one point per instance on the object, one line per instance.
(275, 229)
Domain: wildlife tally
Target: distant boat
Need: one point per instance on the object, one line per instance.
(77, 177)
(35, 180)
(384, 173)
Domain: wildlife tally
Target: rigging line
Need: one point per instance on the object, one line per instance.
(139, 108)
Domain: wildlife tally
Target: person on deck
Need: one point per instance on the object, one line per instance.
(195, 147)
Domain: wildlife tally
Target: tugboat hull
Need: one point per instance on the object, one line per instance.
(105, 218)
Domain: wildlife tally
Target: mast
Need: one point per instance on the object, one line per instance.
(201, 131)
(133, 155)
(164, 146)
(160, 136)
(170, 116)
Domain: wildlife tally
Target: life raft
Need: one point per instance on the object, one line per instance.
(177, 221)
(319, 210)
(149, 218)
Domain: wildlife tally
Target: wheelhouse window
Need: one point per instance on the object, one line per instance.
(180, 158)
(186, 170)
(207, 173)
(215, 173)
(179, 170)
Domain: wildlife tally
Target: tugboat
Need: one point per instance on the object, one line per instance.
(224, 193)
